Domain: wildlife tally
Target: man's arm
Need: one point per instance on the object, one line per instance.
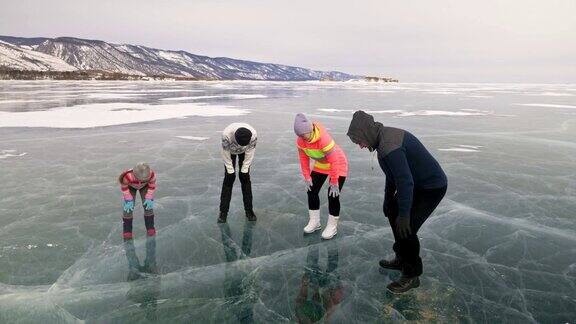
(226, 155)
(248, 157)
(398, 164)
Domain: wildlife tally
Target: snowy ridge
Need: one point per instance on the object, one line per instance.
(16, 57)
(141, 60)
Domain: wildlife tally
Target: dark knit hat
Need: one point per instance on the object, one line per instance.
(243, 136)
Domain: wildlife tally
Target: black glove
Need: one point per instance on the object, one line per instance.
(403, 226)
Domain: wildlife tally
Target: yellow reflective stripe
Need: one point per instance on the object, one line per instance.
(315, 154)
(322, 166)
(329, 147)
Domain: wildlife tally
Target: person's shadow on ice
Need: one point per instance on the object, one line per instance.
(236, 290)
(320, 290)
(144, 279)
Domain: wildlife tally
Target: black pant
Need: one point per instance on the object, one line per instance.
(318, 180)
(407, 250)
(228, 183)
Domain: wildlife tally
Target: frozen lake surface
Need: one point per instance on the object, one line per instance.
(501, 247)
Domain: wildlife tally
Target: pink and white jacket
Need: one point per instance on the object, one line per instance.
(128, 180)
(328, 156)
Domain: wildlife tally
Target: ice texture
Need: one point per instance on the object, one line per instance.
(500, 248)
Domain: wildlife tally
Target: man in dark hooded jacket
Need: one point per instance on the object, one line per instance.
(415, 185)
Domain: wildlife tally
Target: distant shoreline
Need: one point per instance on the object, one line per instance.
(98, 75)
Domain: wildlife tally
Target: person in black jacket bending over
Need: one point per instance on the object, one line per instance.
(415, 185)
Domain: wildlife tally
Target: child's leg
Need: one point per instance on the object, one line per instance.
(148, 214)
(127, 218)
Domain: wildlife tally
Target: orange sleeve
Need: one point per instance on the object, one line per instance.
(304, 163)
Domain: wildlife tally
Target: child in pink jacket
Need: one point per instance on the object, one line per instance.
(143, 180)
(315, 143)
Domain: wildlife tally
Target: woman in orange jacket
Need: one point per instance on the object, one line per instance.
(315, 143)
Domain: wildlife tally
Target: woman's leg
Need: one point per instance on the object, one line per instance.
(334, 202)
(334, 209)
(314, 202)
(318, 180)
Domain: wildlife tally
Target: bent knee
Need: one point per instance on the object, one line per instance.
(229, 179)
(244, 177)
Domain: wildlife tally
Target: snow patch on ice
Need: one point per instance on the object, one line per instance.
(403, 113)
(391, 111)
(335, 110)
(193, 138)
(229, 96)
(551, 94)
(475, 147)
(458, 149)
(377, 91)
(4, 154)
(462, 112)
(463, 148)
(112, 95)
(247, 96)
(22, 101)
(110, 114)
(189, 98)
(547, 105)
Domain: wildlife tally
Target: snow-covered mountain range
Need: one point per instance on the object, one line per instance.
(68, 54)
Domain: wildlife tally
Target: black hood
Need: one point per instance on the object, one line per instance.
(364, 129)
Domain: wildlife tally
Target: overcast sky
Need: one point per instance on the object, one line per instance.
(455, 40)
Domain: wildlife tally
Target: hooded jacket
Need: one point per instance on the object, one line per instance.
(403, 158)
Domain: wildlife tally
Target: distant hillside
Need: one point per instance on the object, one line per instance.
(21, 58)
(68, 54)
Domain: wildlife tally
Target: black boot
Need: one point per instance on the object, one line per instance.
(250, 215)
(404, 284)
(393, 264)
(222, 217)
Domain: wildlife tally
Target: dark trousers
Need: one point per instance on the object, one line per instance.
(424, 202)
(318, 180)
(228, 183)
